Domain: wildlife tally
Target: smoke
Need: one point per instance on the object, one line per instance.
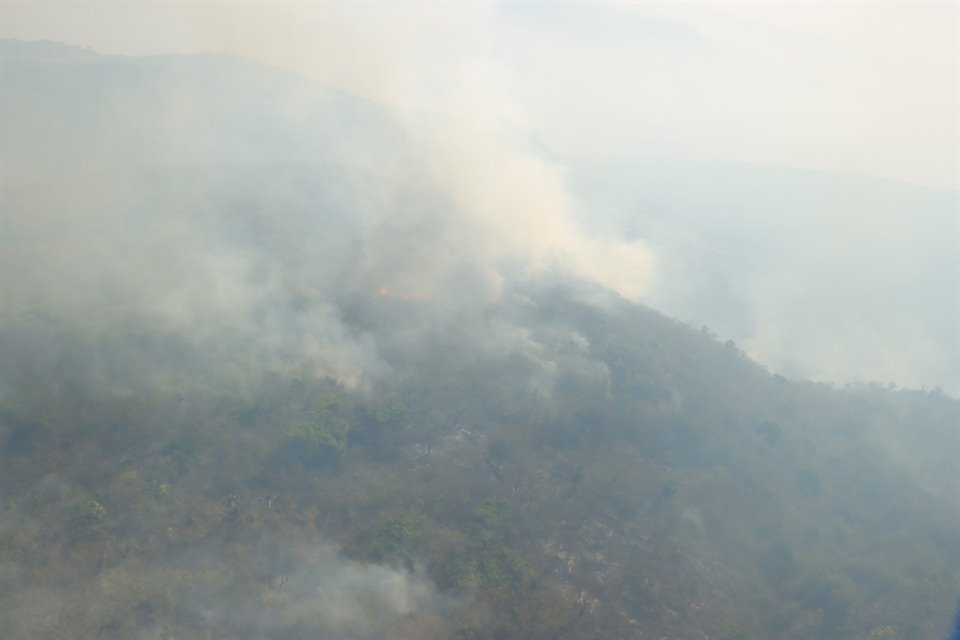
(815, 275)
(269, 588)
(439, 143)
(316, 592)
(256, 216)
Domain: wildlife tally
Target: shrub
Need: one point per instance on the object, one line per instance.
(323, 441)
(387, 537)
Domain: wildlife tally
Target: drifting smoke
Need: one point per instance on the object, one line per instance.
(460, 101)
(307, 590)
(316, 592)
(247, 211)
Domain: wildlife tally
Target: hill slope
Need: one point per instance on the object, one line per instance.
(249, 392)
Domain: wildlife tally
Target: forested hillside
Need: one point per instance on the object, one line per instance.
(661, 486)
(248, 390)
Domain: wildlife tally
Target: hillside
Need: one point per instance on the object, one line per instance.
(662, 486)
(252, 385)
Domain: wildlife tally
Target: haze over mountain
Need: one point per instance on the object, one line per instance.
(799, 267)
(755, 253)
(277, 360)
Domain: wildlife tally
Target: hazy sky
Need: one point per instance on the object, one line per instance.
(863, 88)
